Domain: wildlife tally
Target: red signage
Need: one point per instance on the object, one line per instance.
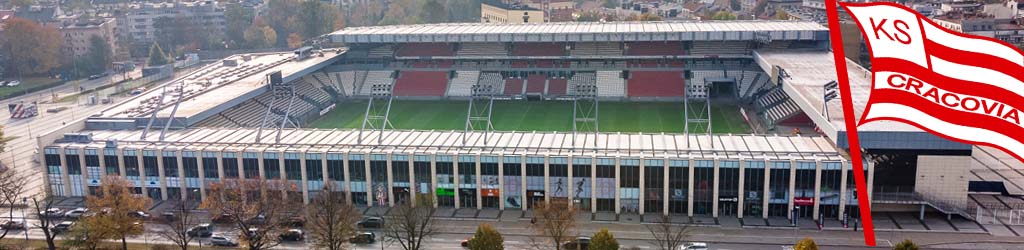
(803, 201)
(489, 192)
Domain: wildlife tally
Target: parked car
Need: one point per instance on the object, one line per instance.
(258, 219)
(223, 218)
(580, 243)
(52, 213)
(294, 222)
(139, 214)
(363, 238)
(201, 230)
(694, 246)
(168, 216)
(3, 83)
(13, 83)
(220, 240)
(292, 235)
(371, 222)
(75, 213)
(12, 225)
(465, 242)
(61, 227)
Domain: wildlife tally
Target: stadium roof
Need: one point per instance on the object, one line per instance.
(583, 32)
(216, 84)
(808, 72)
(521, 143)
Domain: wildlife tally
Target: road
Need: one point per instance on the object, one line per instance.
(20, 150)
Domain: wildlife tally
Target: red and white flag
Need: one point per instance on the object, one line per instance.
(962, 87)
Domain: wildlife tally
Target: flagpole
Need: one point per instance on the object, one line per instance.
(851, 123)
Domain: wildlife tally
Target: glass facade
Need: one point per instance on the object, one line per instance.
(753, 189)
(629, 185)
(654, 186)
(728, 187)
(423, 175)
(778, 189)
(250, 165)
(581, 181)
(111, 162)
(513, 172)
(357, 178)
(490, 196)
(558, 178)
(230, 165)
(400, 178)
(534, 181)
(271, 166)
(678, 184)
(445, 190)
(467, 181)
(803, 194)
(703, 186)
(314, 173)
(831, 186)
(605, 182)
(379, 179)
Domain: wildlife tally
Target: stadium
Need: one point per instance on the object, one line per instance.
(698, 120)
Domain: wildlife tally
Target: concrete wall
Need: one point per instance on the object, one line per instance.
(943, 178)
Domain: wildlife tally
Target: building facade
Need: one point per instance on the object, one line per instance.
(732, 176)
(141, 18)
(499, 12)
(78, 33)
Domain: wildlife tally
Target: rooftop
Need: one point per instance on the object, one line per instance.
(450, 142)
(583, 31)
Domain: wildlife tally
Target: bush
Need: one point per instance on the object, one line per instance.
(486, 238)
(806, 244)
(905, 245)
(603, 240)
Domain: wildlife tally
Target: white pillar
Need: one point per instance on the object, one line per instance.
(714, 189)
(479, 201)
(391, 181)
(640, 187)
(742, 184)
(689, 190)
(501, 182)
(305, 179)
(817, 189)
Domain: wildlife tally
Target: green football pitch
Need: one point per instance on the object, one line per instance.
(647, 117)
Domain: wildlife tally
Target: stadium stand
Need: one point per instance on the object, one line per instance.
(348, 80)
(462, 84)
(425, 49)
(656, 84)
(556, 86)
(596, 49)
(784, 44)
(374, 81)
(381, 51)
(535, 83)
(490, 83)
(580, 79)
(775, 106)
(720, 48)
(514, 86)
(610, 84)
(482, 50)
(538, 49)
(654, 48)
(421, 83)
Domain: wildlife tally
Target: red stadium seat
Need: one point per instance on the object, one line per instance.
(556, 87)
(421, 83)
(538, 49)
(535, 83)
(426, 49)
(656, 84)
(655, 49)
(513, 86)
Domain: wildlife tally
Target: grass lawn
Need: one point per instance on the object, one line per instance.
(27, 83)
(648, 117)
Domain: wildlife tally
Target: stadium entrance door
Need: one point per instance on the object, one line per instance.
(722, 88)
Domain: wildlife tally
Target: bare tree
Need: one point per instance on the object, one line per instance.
(668, 236)
(331, 219)
(42, 203)
(12, 185)
(409, 223)
(553, 223)
(176, 227)
(255, 208)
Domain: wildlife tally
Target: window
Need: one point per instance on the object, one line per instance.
(210, 165)
(230, 164)
(271, 166)
(314, 167)
(292, 166)
(335, 167)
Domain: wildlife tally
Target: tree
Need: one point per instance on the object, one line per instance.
(331, 220)
(409, 224)
(12, 184)
(666, 235)
(100, 55)
(237, 21)
(806, 244)
(176, 228)
(553, 223)
(735, 5)
(906, 244)
(294, 40)
(119, 207)
(433, 12)
(255, 208)
(603, 240)
(648, 17)
(724, 15)
(463, 10)
(588, 16)
(41, 203)
(486, 238)
(781, 15)
(86, 234)
(32, 48)
(157, 57)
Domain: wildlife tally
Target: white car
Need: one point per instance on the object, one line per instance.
(220, 240)
(75, 213)
(13, 83)
(694, 246)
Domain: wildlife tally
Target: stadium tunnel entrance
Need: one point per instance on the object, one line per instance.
(722, 88)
